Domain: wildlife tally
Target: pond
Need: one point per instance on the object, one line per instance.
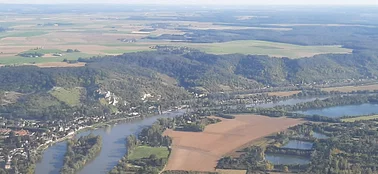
(319, 135)
(278, 159)
(295, 144)
(340, 111)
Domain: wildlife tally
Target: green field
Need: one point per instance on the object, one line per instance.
(23, 34)
(145, 152)
(69, 96)
(273, 49)
(372, 117)
(103, 38)
(44, 51)
(32, 60)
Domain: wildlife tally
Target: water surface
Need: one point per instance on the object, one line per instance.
(295, 144)
(340, 111)
(113, 147)
(278, 159)
(319, 135)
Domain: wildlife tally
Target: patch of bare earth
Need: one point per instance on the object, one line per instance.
(9, 97)
(223, 171)
(200, 151)
(283, 93)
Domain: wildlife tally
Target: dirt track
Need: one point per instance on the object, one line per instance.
(200, 151)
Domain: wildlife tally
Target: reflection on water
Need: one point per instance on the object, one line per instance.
(339, 111)
(113, 147)
(319, 135)
(52, 158)
(278, 159)
(295, 144)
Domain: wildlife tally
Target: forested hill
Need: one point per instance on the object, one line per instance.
(236, 71)
(166, 76)
(192, 70)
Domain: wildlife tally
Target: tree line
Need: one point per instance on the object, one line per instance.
(80, 152)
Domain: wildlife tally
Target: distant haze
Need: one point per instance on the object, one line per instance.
(201, 2)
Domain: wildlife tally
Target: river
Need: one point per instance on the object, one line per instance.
(340, 111)
(292, 101)
(113, 147)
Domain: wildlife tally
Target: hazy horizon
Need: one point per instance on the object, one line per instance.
(201, 2)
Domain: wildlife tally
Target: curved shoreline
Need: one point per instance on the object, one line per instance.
(43, 165)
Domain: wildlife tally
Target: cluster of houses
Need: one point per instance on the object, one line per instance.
(110, 97)
(37, 135)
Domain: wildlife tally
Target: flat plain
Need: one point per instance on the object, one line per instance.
(273, 49)
(200, 151)
(94, 35)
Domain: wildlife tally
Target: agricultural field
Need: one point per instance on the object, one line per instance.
(95, 35)
(352, 88)
(223, 171)
(146, 151)
(283, 93)
(200, 151)
(372, 117)
(262, 142)
(273, 49)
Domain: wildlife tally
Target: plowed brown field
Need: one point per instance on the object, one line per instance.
(200, 151)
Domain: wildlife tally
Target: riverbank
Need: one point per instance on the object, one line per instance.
(93, 126)
(113, 133)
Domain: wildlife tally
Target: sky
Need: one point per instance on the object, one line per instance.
(201, 2)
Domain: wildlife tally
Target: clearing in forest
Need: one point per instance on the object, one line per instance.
(200, 151)
(70, 96)
(145, 152)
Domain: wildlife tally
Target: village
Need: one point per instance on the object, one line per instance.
(21, 140)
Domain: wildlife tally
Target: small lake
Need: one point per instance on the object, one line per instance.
(319, 135)
(113, 147)
(278, 159)
(340, 111)
(295, 144)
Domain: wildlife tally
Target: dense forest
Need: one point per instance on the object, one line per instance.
(169, 76)
(80, 152)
